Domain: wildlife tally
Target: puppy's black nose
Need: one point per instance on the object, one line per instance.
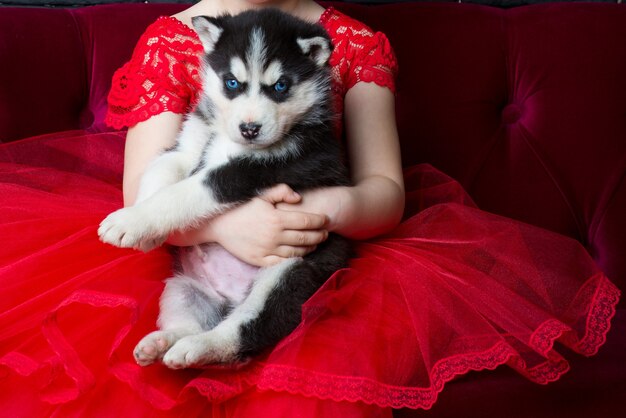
(250, 130)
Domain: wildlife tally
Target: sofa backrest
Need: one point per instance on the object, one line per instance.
(56, 64)
(526, 107)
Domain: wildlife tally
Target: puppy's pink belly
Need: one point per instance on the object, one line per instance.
(219, 270)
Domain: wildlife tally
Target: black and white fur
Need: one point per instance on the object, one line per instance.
(265, 117)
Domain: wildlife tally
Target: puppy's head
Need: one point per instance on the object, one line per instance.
(264, 72)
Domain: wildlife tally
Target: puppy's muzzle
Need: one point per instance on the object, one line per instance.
(250, 130)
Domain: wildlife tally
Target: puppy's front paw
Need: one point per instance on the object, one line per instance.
(129, 228)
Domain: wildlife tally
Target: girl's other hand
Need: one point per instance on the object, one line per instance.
(260, 234)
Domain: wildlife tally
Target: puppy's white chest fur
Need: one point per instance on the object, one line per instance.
(214, 147)
(221, 150)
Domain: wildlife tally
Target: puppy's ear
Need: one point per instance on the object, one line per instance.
(317, 48)
(209, 30)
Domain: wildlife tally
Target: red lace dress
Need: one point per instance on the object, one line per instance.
(452, 289)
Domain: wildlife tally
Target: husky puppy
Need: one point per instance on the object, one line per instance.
(264, 117)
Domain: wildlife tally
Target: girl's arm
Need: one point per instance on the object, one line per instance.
(144, 142)
(375, 204)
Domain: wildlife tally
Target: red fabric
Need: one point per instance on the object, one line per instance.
(453, 289)
(163, 74)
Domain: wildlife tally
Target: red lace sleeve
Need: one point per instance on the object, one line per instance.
(162, 75)
(360, 54)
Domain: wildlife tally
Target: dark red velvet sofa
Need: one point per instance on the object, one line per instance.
(526, 107)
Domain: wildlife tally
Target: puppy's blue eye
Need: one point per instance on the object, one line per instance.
(280, 86)
(232, 84)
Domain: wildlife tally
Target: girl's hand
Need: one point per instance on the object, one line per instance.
(260, 234)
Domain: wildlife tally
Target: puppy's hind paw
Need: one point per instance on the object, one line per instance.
(187, 352)
(200, 350)
(153, 346)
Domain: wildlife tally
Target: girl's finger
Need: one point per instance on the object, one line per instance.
(302, 221)
(287, 251)
(303, 238)
(280, 193)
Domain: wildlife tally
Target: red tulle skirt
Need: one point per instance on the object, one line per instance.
(452, 289)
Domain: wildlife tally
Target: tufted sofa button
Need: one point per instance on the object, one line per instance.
(511, 114)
